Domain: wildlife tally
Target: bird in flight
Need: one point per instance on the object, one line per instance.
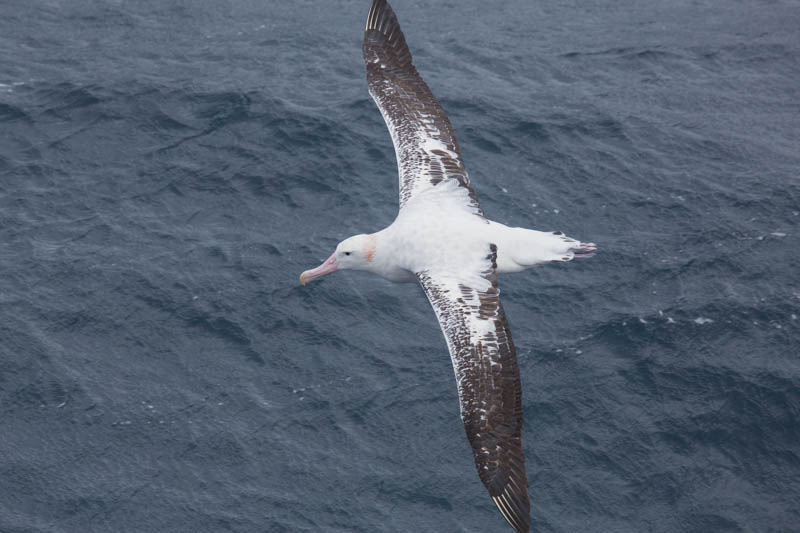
(442, 240)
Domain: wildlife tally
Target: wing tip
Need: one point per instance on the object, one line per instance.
(384, 41)
(383, 28)
(379, 14)
(515, 508)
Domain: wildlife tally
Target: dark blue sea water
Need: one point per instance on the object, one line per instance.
(168, 168)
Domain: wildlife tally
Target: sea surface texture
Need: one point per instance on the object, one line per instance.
(168, 168)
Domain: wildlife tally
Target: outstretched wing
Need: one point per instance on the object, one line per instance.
(489, 389)
(424, 142)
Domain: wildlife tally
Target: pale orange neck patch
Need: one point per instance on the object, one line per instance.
(369, 247)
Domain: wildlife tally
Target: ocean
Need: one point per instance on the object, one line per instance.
(168, 168)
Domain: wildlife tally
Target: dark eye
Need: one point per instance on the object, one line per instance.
(347, 253)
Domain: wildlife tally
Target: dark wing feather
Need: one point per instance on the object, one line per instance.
(425, 145)
(474, 325)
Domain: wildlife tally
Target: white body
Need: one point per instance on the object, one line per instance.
(437, 231)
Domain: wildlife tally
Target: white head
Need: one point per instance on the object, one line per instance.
(355, 253)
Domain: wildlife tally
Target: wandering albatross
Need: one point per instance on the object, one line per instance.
(441, 239)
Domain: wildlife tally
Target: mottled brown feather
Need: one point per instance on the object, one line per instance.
(489, 387)
(425, 144)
